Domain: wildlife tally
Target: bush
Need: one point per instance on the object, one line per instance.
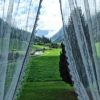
(13, 56)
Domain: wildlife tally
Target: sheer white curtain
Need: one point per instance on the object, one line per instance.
(81, 22)
(18, 20)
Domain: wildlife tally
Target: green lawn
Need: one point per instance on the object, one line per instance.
(47, 91)
(44, 67)
(43, 81)
(15, 44)
(98, 49)
(39, 47)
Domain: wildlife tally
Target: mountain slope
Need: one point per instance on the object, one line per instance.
(41, 33)
(58, 37)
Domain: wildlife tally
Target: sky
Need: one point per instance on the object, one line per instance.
(49, 19)
(50, 16)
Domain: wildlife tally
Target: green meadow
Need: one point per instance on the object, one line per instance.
(98, 49)
(43, 80)
(44, 67)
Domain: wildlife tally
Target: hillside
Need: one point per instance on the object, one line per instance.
(58, 37)
(41, 33)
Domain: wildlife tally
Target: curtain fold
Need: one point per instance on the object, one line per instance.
(18, 19)
(81, 24)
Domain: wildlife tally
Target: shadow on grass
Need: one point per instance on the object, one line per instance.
(47, 91)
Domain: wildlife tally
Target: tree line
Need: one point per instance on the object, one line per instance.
(15, 33)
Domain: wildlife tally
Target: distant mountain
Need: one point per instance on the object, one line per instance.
(58, 37)
(41, 33)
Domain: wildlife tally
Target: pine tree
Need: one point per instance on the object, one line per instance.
(75, 47)
(63, 67)
(63, 64)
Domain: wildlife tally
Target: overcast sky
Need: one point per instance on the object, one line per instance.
(49, 19)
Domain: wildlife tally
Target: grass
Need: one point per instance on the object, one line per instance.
(39, 47)
(14, 44)
(10, 72)
(43, 81)
(44, 67)
(98, 49)
(47, 91)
